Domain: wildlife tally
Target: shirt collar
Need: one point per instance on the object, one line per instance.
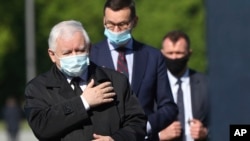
(173, 79)
(84, 76)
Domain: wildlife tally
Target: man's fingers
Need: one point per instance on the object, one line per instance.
(177, 123)
(108, 95)
(107, 100)
(96, 136)
(104, 85)
(107, 89)
(91, 83)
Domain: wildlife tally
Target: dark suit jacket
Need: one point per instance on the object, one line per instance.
(199, 97)
(150, 82)
(55, 113)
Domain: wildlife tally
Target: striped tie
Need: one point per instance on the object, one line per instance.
(122, 66)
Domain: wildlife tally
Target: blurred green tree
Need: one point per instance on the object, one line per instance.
(12, 59)
(156, 18)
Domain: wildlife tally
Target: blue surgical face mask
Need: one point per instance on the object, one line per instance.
(74, 65)
(118, 38)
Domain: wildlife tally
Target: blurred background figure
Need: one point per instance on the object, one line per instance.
(12, 116)
(189, 89)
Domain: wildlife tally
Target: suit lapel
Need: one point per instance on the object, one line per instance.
(194, 82)
(105, 53)
(139, 65)
(97, 74)
(58, 82)
(66, 90)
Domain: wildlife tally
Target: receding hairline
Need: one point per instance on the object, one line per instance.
(66, 29)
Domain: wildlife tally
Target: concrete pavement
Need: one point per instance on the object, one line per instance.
(24, 135)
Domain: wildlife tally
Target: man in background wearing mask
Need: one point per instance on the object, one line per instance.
(176, 49)
(78, 101)
(143, 65)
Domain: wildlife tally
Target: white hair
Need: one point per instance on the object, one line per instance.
(66, 29)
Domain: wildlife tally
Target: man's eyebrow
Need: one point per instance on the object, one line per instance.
(65, 51)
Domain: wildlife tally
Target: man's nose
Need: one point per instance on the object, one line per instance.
(173, 56)
(74, 53)
(117, 29)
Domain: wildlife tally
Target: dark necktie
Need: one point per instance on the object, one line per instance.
(77, 89)
(121, 61)
(180, 104)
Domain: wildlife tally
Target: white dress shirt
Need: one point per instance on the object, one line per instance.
(185, 85)
(129, 57)
(83, 85)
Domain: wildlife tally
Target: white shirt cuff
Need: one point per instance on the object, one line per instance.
(149, 130)
(85, 103)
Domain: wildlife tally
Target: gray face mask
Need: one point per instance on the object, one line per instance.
(74, 65)
(118, 38)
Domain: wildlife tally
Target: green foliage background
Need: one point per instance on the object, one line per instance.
(156, 18)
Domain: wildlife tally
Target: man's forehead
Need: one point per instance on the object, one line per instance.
(117, 16)
(69, 35)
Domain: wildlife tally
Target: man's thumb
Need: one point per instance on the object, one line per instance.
(91, 83)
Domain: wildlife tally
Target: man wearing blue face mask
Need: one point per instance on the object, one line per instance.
(142, 64)
(78, 101)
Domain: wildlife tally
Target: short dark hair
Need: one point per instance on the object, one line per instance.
(175, 35)
(116, 5)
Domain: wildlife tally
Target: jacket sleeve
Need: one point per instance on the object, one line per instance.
(132, 115)
(166, 108)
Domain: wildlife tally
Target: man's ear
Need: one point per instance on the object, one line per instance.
(90, 46)
(190, 52)
(103, 21)
(52, 55)
(135, 21)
